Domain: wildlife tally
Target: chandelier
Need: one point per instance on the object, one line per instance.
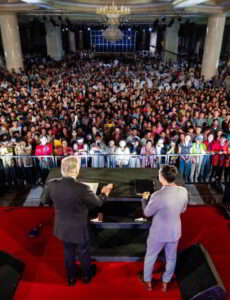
(112, 14)
(113, 34)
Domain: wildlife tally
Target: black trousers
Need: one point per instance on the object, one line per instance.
(71, 250)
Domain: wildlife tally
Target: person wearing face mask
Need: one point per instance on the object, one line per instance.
(111, 157)
(185, 160)
(135, 149)
(197, 148)
(9, 164)
(98, 150)
(148, 158)
(74, 138)
(45, 163)
(160, 150)
(207, 159)
(173, 149)
(80, 149)
(25, 164)
(122, 153)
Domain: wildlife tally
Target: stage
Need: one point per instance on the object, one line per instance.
(44, 275)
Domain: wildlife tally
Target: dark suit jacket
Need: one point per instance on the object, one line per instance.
(72, 201)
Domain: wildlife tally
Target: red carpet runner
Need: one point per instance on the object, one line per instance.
(44, 275)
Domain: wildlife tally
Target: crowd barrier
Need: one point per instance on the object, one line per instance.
(32, 170)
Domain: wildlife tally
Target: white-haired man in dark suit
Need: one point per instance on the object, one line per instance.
(72, 201)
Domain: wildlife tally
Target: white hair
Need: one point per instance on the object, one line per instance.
(70, 166)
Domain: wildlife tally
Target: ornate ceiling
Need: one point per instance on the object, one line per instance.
(141, 10)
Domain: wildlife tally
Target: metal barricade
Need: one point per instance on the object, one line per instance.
(33, 170)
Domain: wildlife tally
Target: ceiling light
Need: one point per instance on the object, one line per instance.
(186, 3)
(31, 1)
(112, 14)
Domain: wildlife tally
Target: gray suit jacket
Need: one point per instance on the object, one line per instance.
(165, 206)
(72, 201)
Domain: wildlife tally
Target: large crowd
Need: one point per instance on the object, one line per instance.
(120, 112)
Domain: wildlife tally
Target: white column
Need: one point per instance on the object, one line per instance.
(143, 39)
(171, 42)
(11, 41)
(212, 46)
(81, 39)
(197, 47)
(153, 42)
(72, 41)
(54, 41)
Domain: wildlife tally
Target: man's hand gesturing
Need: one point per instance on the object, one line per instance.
(107, 189)
(146, 195)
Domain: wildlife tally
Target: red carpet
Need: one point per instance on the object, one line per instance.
(44, 275)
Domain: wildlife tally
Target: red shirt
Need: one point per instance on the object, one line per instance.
(219, 159)
(43, 150)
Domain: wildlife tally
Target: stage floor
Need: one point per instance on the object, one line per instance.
(44, 275)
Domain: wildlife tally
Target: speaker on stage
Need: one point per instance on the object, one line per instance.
(11, 270)
(197, 275)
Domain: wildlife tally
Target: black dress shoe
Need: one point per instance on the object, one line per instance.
(87, 280)
(92, 273)
(72, 281)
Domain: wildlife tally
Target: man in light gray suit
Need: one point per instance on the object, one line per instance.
(165, 206)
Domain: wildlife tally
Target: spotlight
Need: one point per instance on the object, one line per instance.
(150, 29)
(88, 28)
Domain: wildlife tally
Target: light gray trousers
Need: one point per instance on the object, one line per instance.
(153, 249)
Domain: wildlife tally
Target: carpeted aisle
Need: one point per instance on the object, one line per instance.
(44, 275)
